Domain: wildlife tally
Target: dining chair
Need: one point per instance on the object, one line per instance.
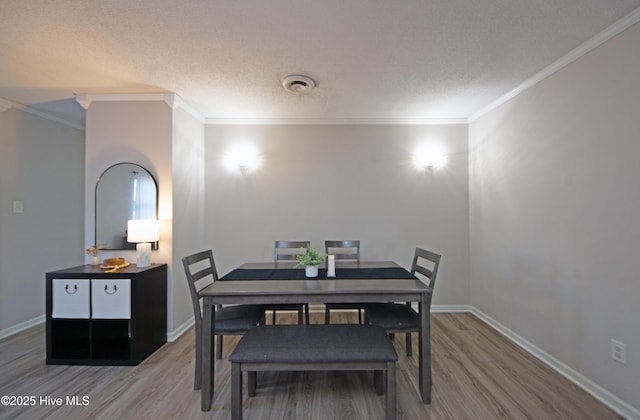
(401, 317)
(342, 251)
(200, 271)
(286, 252)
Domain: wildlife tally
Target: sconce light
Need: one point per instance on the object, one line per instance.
(143, 231)
(429, 157)
(243, 158)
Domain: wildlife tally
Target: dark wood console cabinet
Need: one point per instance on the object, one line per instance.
(98, 318)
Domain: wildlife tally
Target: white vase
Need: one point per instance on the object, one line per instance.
(311, 271)
(95, 260)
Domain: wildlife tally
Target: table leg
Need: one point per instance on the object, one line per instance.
(425, 350)
(207, 354)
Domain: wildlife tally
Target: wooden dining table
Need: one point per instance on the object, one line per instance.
(356, 282)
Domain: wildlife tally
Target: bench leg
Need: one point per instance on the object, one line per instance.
(236, 392)
(391, 390)
(251, 383)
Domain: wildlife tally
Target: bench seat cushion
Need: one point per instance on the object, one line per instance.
(317, 343)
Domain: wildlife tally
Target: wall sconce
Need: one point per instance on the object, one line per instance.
(143, 231)
(429, 157)
(243, 158)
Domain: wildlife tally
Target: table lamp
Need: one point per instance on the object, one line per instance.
(143, 231)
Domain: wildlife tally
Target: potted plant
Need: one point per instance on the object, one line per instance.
(310, 260)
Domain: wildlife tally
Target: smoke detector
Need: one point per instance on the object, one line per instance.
(297, 83)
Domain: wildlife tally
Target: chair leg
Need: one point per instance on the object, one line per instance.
(359, 316)
(306, 313)
(219, 347)
(409, 348)
(197, 382)
(327, 315)
(274, 317)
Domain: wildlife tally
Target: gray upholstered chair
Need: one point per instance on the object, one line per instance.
(285, 252)
(231, 320)
(342, 251)
(402, 318)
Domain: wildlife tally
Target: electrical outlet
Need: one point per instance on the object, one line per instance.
(17, 206)
(619, 351)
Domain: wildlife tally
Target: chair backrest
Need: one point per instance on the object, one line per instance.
(200, 271)
(288, 250)
(343, 250)
(426, 263)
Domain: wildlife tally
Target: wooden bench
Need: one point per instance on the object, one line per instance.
(314, 347)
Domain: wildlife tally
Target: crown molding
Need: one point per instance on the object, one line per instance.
(86, 99)
(5, 104)
(613, 30)
(48, 116)
(173, 100)
(335, 121)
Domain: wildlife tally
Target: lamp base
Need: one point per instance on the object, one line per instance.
(143, 257)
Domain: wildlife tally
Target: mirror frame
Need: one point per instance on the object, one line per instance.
(154, 245)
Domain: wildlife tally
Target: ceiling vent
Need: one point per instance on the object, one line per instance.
(297, 83)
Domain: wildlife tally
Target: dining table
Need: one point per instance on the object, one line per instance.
(354, 282)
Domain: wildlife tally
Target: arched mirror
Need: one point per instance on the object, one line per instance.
(124, 191)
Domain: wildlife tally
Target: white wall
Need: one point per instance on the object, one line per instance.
(555, 220)
(42, 165)
(188, 207)
(341, 182)
(138, 132)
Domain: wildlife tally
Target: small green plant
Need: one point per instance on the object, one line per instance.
(310, 257)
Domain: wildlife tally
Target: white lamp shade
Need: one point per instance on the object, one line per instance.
(143, 230)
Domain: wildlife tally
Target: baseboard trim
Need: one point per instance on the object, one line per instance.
(607, 398)
(22, 326)
(450, 308)
(176, 333)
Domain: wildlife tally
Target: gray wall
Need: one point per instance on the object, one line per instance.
(41, 164)
(138, 132)
(341, 182)
(188, 234)
(555, 221)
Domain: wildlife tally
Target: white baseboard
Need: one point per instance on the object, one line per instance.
(616, 404)
(450, 308)
(22, 326)
(175, 334)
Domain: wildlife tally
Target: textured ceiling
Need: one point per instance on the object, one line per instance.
(371, 59)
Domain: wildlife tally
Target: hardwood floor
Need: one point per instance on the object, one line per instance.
(477, 374)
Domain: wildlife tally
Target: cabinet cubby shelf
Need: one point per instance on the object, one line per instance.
(98, 318)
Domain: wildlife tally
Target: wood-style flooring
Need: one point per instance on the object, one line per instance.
(477, 374)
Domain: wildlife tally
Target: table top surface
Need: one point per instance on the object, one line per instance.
(320, 285)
